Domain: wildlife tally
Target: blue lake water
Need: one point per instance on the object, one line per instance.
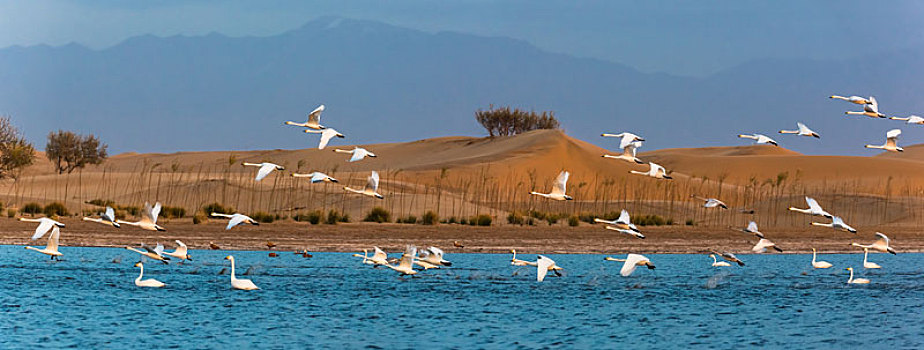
(334, 301)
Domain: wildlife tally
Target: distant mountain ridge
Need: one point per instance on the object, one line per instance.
(383, 83)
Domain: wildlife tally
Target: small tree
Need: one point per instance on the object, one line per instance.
(504, 121)
(69, 151)
(15, 152)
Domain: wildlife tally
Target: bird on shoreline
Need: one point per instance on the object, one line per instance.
(45, 225)
(802, 131)
(622, 224)
(370, 189)
(880, 245)
(758, 138)
(265, 169)
(150, 282)
(559, 188)
(236, 219)
(870, 109)
(819, 264)
(891, 143)
(51, 248)
(314, 120)
(148, 218)
(853, 99)
(358, 153)
(814, 209)
(851, 280)
(838, 224)
(631, 262)
(106, 218)
(654, 170)
(326, 135)
(236, 283)
(317, 177)
(213, 246)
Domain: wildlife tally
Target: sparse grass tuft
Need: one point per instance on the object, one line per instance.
(379, 215)
(429, 218)
(263, 217)
(55, 208)
(31, 208)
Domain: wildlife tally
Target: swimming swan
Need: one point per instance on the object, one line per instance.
(716, 263)
(150, 282)
(819, 264)
(242, 284)
(851, 280)
(869, 264)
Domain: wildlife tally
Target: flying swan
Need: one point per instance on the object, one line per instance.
(891, 144)
(838, 224)
(759, 138)
(803, 131)
(911, 119)
(628, 153)
(654, 170)
(317, 177)
(558, 188)
(45, 225)
(326, 135)
(814, 209)
(181, 252)
(148, 218)
(314, 120)
(265, 169)
(623, 224)
(870, 110)
(371, 187)
(854, 99)
(236, 219)
(358, 153)
(105, 218)
(880, 245)
(51, 248)
(157, 253)
(631, 262)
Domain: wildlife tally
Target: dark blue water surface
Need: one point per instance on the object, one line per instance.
(333, 301)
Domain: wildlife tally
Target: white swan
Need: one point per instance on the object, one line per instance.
(242, 284)
(326, 135)
(853, 99)
(517, 262)
(105, 218)
(870, 110)
(763, 244)
(433, 256)
(654, 170)
(851, 280)
(265, 169)
(631, 262)
(236, 219)
(314, 120)
(716, 263)
(358, 153)
(803, 131)
(150, 282)
(622, 224)
(558, 188)
(881, 245)
(378, 258)
(759, 138)
(911, 119)
(627, 138)
(371, 187)
(628, 153)
(52, 247)
(157, 253)
(181, 252)
(730, 257)
(710, 202)
(406, 265)
(45, 225)
(752, 229)
(543, 266)
(869, 264)
(838, 224)
(317, 177)
(814, 209)
(891, 144)
(148, 218)
(819, 264)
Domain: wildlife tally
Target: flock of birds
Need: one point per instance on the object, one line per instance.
(413, 258)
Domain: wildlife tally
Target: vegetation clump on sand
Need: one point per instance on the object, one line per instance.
(379, 215)
(503, 121)
(55, 209)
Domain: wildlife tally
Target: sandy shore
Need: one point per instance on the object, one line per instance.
(353, 237)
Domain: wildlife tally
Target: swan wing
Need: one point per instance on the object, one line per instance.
(408, 258)
(632, 261)
(542, 267)
(372, 183)
(159, 249)
(624, 218)
(181, 248)
(813, 204)
(358, 154)
(804, 129)
(265, 169)
(110, 214)
(53, 239)
(883, 239)
(379, 254)
(236, 219)
(752, 227)
(892, 136)
(561, 183)
(437, 252)
(44, 226)
(318, 177)
(315, 116)
(326, 135)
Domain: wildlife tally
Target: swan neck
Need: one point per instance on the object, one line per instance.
(232, 270)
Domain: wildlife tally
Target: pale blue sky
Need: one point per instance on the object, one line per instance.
(680, 37)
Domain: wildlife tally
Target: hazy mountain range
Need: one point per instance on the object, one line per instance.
(383, 83)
